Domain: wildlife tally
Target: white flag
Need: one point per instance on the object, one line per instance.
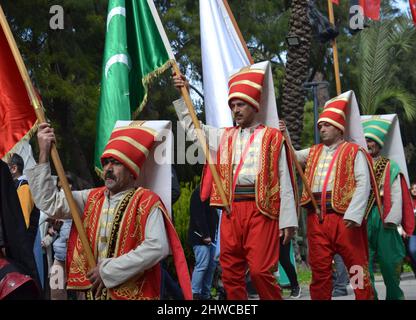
(222, 52)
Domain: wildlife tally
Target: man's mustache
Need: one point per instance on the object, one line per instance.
(109, 175)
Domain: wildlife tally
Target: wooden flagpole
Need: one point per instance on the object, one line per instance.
(291, 149)
(336, 65)
(334, 49)
(34, 99)
(202, 140)
(302, 176)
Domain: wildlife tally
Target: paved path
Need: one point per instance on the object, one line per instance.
(407, 283)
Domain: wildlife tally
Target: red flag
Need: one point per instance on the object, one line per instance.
(408, 216)
(17, 116)
(412, 4)
(335, 1)
(371, 9)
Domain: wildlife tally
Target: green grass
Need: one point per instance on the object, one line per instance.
(407, 268)
(181, 214)
(304, 275)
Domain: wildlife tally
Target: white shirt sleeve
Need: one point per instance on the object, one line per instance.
(302, 156)
(46, 196)
(288, 215)
(395, 214)
(213, 135)
(358, 204)
(154, 248)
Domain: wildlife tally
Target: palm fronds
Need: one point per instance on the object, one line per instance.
(392, 98)
(380, 45)
(374, 64)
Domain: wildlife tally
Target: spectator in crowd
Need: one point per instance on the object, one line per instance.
(284, 259)
(203, 225)
(18, 274)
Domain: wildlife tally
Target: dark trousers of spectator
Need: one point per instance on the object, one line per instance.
(287, 265)
(340, 276)
(47, 288)
(410, 244)
(169, 288)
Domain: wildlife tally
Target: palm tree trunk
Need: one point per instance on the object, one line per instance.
(293, 97)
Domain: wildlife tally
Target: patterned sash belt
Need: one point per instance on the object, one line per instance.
(244, 193)
(318, 198)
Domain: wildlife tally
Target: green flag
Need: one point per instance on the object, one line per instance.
(136, 51)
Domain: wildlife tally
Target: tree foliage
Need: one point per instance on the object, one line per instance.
(65, 65)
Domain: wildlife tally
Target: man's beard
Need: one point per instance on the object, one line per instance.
(109, 183)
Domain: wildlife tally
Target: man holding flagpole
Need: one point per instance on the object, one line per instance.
(255, 170)
(127, 227)
(339, 175)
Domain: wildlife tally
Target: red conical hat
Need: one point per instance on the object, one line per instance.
(247, 85)
(131, 146)
(335, 112)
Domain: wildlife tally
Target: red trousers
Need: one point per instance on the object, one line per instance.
(249, 239)
(328, 238)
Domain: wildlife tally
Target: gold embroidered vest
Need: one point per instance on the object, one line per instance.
(344, 180)
(267, 186)
(127, 233)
